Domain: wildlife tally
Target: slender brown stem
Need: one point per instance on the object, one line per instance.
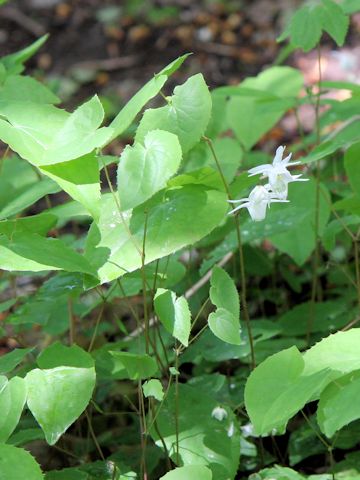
(93, 436)
(97, 323)
(177, 407)
(316, 257)
(241, 257)
(144, 289)
(71, 322)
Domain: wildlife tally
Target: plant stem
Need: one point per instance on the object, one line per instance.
(71, 322)
(144, 289)
(241, 257)
(93, 436)
(97, 323)
(316, 257)
(177, 407)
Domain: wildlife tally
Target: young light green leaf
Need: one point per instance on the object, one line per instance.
(186, 115)
(14, 61)
(137, 366)
(58, 396)
(223, 291)
(225, 321)
(339, 352)
(80, 178)
(175, 218)
(174, 314)
(46, 135)
(283, 388)
(153, 388)
(12, 401)
(339, 404)
(199, 472)
(127, 115)
(144, 169)
(225, 326)
(18, 88)
(16, 463)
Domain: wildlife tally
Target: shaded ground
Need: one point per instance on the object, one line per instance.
(117, 45)
(113, 47)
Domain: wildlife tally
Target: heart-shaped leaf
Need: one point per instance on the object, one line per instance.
(187, 113)
(144, 169)
(58, 396)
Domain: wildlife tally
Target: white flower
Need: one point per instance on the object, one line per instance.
(279, 176)
(219, 413)
(259, 199)
(247, 430)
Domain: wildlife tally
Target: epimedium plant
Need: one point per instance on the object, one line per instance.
(150, 243)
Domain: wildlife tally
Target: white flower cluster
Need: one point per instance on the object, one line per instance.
(275, 191)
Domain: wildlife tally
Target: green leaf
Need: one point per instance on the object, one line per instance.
(203, 440)
(228, 152)
(339, 352)
(127, 115)
(11, 360)
(186, 115)
(339, 404)
(328, 316)
(175, 218)
(225, 326)
(58, 396)
(225, 321)
(39, 224)
(57, 355)
(334, 21)
(80, 178)
(294, 242)
(137, 366)
(12, 400)
(281, 384)
(153, 388)
(352, 167)
(46, 135)
(280, 473)
(31, 252)
(305, 28)
(252, 116)
(16, 463)
(25, 197)
(14, 61)
(144, 169)
(185, 473)
(17, 88)
(223, 291)
(23, 437)
(174, 314)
